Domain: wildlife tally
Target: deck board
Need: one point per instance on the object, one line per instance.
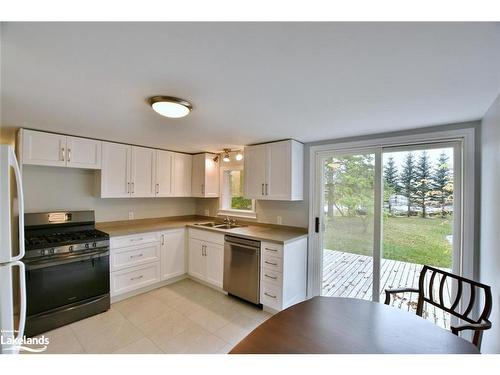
(351, 275)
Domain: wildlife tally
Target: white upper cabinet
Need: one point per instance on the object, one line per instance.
(182, 175)
(115, 172)
(205, 176)
(40, 148)
(83, 153)
(142, 172)
(164, 171)
(274, 171)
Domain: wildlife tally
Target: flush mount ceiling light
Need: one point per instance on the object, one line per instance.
(170, 106)
(239, 156)
(226, 158)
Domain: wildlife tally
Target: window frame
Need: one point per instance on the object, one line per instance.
(252, 214)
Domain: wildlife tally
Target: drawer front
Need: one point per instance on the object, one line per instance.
(205, 235)
(134, 278)
(270, 295)
(272, 263)
(136, 239)
(272, 249)
(134, 256)
(272, 277)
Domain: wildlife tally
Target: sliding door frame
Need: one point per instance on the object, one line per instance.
(466, 138)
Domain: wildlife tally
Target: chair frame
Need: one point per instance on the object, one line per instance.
(477, 326)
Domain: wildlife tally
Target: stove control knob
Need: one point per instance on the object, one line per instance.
(51, 251)
(86, 245)
(70, 249)
(94, 244)
(42, 252)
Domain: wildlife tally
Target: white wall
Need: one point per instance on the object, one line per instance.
(490, 220)
(52, 188)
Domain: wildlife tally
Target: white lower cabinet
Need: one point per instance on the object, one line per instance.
(173, 262)
(206, 256)
(283, 274)
(133, 278)
(144, 259)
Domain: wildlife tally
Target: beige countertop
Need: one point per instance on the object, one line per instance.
(262, 232)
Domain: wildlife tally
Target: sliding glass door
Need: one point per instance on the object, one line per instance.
(384, 213)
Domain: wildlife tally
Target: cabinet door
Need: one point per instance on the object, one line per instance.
(142, 182)
(172, 254)
(197, 261)
(182, 175)
(83, 153)
(212, 177)
(115, 170)
(215, 263)
(255, 171)
(278, 171)
(198, 176)
(164, 162)
(41, 148)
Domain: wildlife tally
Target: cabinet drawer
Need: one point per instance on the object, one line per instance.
(205, 235)
(272, 249)
(272, 277)
(134, 256)
(272, 263)
(270, 295)
(134, 278)
(136, 239)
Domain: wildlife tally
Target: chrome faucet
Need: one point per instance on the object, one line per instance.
(229, 221)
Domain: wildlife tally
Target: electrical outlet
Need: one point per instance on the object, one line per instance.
(131, 215)
(207, 212)
(278, 220)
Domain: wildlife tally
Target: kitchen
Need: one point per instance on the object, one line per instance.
(202, 199)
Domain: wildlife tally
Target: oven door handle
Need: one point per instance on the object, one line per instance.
(42, 263)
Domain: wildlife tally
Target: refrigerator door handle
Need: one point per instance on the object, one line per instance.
(22, 307)
(20, 198)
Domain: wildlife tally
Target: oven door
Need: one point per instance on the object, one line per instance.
(54, 283)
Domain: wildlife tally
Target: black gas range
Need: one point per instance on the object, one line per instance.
(67, 269)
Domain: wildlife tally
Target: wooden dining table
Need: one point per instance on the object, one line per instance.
(349, 326)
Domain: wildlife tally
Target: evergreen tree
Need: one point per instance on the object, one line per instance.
(423, 182)
(391, 181)
(443, 184)
(407, 178)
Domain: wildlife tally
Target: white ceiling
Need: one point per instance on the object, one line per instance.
(248, 82)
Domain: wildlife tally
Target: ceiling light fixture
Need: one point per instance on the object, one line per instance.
(226, 158)
(170, 106)
(239, 156)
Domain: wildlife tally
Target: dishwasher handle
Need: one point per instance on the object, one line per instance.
(242, 242)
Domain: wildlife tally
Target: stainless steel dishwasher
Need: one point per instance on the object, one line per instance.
(242, 268)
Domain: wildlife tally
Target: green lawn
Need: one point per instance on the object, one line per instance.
(408, 239)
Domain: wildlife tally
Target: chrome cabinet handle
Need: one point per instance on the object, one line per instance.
(262, 189)
(271, 277)
(69, 155)
(202, 189)
(269, 295)
(271, 249)
(157, 188)
(163, 239)
(136, 278)
(62, 154)
(272, 264)
(132, 188)
(136, 239)
(136, 256)
(128, 187)
(267, 193)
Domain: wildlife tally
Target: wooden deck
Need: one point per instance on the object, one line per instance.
(351, 275)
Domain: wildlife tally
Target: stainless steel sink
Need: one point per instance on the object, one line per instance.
(228, 226)
(213, 224)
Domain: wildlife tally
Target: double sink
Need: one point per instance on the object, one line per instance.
(213, 224)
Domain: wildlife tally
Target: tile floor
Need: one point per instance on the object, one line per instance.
(185, 317)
